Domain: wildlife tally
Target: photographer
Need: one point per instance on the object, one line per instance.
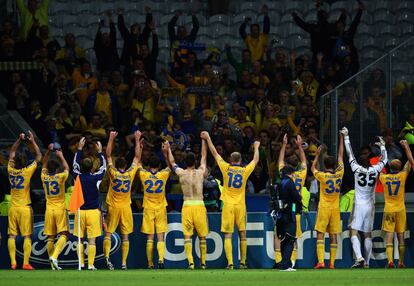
(283, 199)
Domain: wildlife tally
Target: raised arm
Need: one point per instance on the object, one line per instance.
(242, 29)
(15, 146)
(112, 136)
(138, 147)
(281, 159)
(47, 155)
(38, 154)
(316, 160)
(121, 25)
(256, 155)
(408, 152)
(302, 155)
(341, 149)
(65, 164)
(204, 135)
(102, 169)
(203, 161)
(171, 25)
(194, 30)
(266, 20)
(78, 157)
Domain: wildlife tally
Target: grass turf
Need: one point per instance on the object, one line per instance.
(397, 277)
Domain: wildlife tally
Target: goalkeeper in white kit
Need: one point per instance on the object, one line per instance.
(362, 217)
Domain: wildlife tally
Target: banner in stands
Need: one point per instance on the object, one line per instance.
(259, 240)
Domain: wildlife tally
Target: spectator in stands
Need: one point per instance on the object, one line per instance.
(258, 77)
(245, 88)
(38, 38)
(31, 13)
(143, 96)
(246, 60)
(71, 55)
(181, 37)
(84, 82)
(105, 47)
(394, 151)
(7, 29)
(320, 33)
(133, 38)
(150, 57)
(8, 50)
(257, 107)
(307, 85)
(96, 127)
(256, 41)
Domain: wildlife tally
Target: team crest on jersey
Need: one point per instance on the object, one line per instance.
(68, 256)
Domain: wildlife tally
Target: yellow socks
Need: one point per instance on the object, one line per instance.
(91, 254)
(401, 251)
(124, 251)
(228, 249)
(81, 248)
(390, 254)
(161, 250)
(320, 249)
(106, 246)
(150, 253)
(60, 244)
(294, 255)
(203, 251)
(243, 250)
(332, 257)
(278, 256)
(27, 250)
(11, 245)
(50, 245)
(188, 248)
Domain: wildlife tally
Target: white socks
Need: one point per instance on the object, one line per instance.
(368, 249)
(356, 245)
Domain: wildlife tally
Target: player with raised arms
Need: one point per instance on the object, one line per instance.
(20, 217)
(362, 217)
(299, 178)
(395, 216)
(56, 216)
(154, 221)
(234, 198)
(118, 199)
(329, 217)
(194, 213)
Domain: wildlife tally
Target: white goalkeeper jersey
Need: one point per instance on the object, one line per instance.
(365, 178)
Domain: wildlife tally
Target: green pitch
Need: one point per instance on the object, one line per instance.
(371, 277)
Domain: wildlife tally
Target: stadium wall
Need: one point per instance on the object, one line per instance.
(259, 240)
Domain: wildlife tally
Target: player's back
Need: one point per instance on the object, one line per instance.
(191, 181)
(234, 181)
(154, 187)
(20, 183)
(119, 193)
(394, 190)
(54, 187)
(330, 187)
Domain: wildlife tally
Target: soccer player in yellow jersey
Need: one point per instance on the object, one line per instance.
(299, 178)
(56, 218)
(118, 200)
(20, 212)
(394, 218)
(329, 217)
(194, 213)
(154, 220)
(233, 196)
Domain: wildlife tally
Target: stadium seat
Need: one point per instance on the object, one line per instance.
(173, 7)
(406, 16)
(386, 30)
(218, 30)
(58, 8)
(288, 28)
(311, 17)
(391, 43)
(383, 6)
(274, 18)
(297, 41)
(367, 19)
(293, 6)
(286, 18)
(238, 19)
(103, 8)
(81, 8)
(407, 30)
(165, 19)
(339, 5)
(383, 16)
(202, 20)
(406, 5)
(219, 19)
(253, 6)
(364, 29)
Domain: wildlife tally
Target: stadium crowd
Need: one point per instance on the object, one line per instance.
(275, 91)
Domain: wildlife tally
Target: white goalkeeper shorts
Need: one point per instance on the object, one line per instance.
(362, 217)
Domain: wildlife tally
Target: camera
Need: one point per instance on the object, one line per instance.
(275, 204)
(56, 147)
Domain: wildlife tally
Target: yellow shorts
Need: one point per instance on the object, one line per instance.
(90, 221)
(154, 221)
(298, 226)
(194, 218)
(328, 220)
(233, 214)
(56, 221)
(20, 221)
(394, 221)
(121, 217)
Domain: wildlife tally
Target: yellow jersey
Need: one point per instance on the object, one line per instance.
(54, 187)
(153, 187)
(330, 187)
(234, 181)
(256, 46)
(20, 183)
(119, 191)
(298, 177)
(394, 189)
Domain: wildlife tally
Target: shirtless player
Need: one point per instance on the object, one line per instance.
(194, 213)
